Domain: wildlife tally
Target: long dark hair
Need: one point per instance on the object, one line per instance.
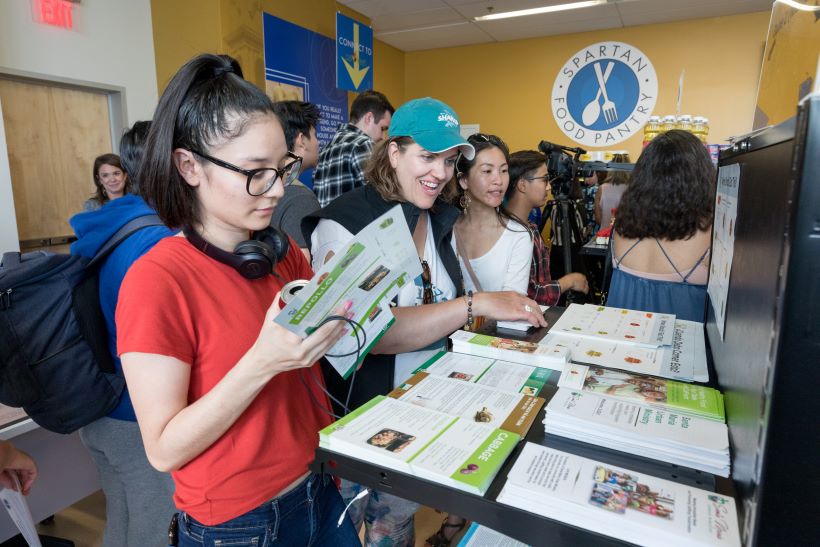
(207, 101)
(481, 142)
(672, 192)
(114, 161)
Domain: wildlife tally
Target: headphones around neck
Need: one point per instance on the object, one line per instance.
(254, 258)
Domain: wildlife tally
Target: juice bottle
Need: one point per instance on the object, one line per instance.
(651, 129)
(699, 128)
(684, 122)
(669, 123)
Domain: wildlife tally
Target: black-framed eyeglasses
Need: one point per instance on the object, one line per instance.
(545, 178)
(261, 180)
(427, 283)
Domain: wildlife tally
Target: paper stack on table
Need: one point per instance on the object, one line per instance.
(642, 342)
(672, 437)
(618, 502)
(481, 536)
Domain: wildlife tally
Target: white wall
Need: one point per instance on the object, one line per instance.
(111, 44)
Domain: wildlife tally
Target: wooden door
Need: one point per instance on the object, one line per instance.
(53, 134)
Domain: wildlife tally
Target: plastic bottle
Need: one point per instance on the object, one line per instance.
(669, 123)
(651, 129)
(699, 128)
(684, 122)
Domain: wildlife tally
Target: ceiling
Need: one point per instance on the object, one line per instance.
(412, 25)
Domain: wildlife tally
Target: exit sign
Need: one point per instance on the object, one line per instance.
(54, 12)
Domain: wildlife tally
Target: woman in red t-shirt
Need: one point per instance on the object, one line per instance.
(226, 399)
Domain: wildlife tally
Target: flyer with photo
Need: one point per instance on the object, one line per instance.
(495, 373)
(368, 273)
(723, 241)
(618, 502)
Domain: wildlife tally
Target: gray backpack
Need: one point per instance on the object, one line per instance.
(54, 358)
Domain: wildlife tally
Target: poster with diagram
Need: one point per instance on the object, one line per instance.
(723, 241)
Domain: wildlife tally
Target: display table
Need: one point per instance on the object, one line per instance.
(66, 472)
(591, 248)
(516, 523)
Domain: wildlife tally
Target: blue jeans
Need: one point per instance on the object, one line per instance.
(307, 515)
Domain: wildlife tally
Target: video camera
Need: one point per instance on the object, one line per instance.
(561, 165)
(564, 166)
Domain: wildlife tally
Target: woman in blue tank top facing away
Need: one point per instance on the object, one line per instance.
(662, 237)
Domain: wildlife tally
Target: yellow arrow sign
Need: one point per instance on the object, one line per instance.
(356, 74)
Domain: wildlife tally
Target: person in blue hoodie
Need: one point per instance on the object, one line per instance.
(138, 498)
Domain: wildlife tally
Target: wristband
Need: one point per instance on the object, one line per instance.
(469, 322)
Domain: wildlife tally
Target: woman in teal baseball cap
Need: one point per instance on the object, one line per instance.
(412, 167)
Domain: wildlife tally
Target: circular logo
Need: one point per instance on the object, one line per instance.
(604, 94)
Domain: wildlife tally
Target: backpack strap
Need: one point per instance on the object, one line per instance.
(10, 259)
(120, 235)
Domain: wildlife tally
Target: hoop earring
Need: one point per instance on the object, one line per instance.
(464, 201)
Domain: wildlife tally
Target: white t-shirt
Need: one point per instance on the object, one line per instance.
(506, 266)
(329, 236)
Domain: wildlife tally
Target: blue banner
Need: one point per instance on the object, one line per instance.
(354, 54)
(299, 66)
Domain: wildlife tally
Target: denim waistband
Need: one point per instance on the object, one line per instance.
(307, 488)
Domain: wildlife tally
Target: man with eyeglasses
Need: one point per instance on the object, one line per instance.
(299, 120)
(342, 161)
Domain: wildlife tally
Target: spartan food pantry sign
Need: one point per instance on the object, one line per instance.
(604, 94)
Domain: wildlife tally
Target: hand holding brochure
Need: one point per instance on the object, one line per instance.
(368, 273)
(16, 505)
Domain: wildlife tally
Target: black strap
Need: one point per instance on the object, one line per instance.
(120, 235)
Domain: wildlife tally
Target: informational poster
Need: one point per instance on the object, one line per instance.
(354, 54)
(723, 241)
(299, 65)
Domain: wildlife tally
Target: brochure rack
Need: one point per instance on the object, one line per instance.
(766, 363)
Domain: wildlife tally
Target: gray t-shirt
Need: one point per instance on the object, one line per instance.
(296, 204)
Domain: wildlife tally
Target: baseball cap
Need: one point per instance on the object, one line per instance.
(432, 124)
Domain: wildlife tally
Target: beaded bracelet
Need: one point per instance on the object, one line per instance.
(469, 322)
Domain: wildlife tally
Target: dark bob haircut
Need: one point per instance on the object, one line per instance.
(672, 192)
(132, 147)
(207, 102)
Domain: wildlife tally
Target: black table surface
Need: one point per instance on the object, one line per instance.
(516, 523)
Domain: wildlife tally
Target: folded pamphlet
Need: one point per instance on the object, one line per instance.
(640, 328)
(368, 273)
(495, 373)
(518, 351)
(503, 409)
(459, 452)
(618, 502)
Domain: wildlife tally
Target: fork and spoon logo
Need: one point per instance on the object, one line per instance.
(604, 94)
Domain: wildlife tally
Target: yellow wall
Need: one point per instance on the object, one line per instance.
(506, 87)
(184, 28)
(789, 64)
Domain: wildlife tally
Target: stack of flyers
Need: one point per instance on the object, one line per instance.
(618, 502)
(681, 357)
(481, 536)
(673, 437)
(668, 395)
